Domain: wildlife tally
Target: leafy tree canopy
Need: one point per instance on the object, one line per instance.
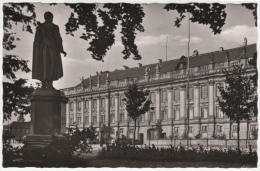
(237, 96)
(136, 101)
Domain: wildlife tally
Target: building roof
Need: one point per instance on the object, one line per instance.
(172, 65)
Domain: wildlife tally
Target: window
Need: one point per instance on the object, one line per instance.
(87, 119)
(121, 101)
(86, 104)
(112, 118)
(176, 129)
(153, 98)
(164, 115)
(176, 114)
(176, 95)
(71, 119)
(112, 101)
(217, 88)
(94, 119)
(103, 118)
(79, 105)
(219, 128)
(94, 103)
(204, 91)
(219, 113)
(190, 128)
(164, 96)
(71, 106)
(204, 128)
(234, 128)
(191, 113)
(152, 116)
(253, 127)
(204, 112)
(121, 117)
(121, 130)
(142, 118)
(190, 93)
(79, 120)
(103, 103)
(131, 131)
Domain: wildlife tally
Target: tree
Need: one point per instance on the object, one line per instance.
(137, 102)
(254, 78)
(15, 93)
(236, 96)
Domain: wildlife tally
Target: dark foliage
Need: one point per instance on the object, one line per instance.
(15, 93)
(213, 15)
(137, 102)
(237, 97)
(254, 78)
(130, 16)
(62, 151)
(176, 154)
(15, 98)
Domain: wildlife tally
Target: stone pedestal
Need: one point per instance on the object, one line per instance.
(48, 116)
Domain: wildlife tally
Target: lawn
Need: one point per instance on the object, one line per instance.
(166, 164)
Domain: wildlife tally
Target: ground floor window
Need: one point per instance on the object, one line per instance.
(112, 118)
(121, 117)
(204, 128)
(219, 128)
(176, 129)
(152, 116)
(164, 115)
(190, 129)
(79, 120)
(103, 118)
(253, 127)
(87, 119)
(177, 114)
(94, 119)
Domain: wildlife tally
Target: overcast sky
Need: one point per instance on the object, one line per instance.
(158, 24)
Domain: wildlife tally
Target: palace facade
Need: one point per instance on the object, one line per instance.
(97, 100)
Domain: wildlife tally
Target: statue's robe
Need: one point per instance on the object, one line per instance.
(47, 47)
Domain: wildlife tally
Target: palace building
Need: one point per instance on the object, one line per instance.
(97, 100)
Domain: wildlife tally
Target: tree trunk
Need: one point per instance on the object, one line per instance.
(238, 128)
(134, 132)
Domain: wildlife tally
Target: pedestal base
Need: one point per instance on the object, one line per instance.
(48, 116)
(37, 141)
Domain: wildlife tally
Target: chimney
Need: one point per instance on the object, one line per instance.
(125, 67)
(140, 65)
(245, 42)
(160, 61)
(195, 53)
(221, 49)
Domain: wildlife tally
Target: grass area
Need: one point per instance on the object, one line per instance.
(164, 164)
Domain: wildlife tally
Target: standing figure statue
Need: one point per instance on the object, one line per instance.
(47, 65)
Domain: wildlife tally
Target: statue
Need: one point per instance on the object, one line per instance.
(157, 68)
(82, 81)
(47, 65)
(147, 70)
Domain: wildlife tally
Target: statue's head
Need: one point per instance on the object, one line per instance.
(48, 16)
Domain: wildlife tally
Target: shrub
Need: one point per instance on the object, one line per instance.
(62, 151)
(175, 154)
